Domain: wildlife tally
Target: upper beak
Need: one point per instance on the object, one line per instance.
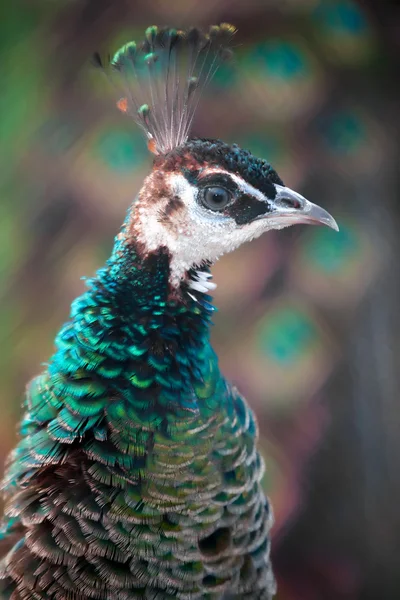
(290, 208)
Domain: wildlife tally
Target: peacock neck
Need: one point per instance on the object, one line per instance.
(136, 286)
(136, 339)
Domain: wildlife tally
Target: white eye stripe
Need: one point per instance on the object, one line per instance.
(243, 185)
(247, 188)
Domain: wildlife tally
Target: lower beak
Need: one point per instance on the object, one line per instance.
(291, 208)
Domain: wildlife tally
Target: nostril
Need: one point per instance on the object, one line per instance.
(291, 203)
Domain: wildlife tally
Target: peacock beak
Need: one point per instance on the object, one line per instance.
(290, 208)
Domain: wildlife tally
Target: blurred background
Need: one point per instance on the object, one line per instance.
(308, 322)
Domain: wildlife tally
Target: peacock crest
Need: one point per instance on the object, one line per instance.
(163, 77)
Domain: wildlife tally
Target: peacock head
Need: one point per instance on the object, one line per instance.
(206, 198)
(203, 197)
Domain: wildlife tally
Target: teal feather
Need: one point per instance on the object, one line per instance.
(136, 475)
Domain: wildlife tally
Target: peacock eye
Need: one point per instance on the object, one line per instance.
(216, 198)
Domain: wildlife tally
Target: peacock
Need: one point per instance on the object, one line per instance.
(137, 475)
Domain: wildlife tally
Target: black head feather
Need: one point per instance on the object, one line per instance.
(200, 152)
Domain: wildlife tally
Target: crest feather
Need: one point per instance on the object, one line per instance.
(163, 77)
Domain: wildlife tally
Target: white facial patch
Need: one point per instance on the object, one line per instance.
(195, 234)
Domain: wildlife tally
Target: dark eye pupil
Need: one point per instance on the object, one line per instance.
(216, 198)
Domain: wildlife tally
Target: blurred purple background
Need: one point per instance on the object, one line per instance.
(308, 321)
